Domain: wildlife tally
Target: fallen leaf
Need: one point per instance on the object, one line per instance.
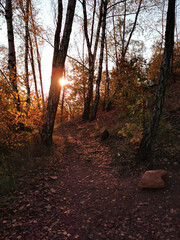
(53, 177)
(53, 190)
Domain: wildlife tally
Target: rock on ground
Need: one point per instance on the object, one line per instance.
(152, 179)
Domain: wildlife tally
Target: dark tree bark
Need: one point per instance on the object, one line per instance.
(125, 48)
(39, 68)
(106, 90)
(84, 80)
(33, 69)
(12, 55)
(92, 58)
(124, 31)
(38, 57)
(26, 19)
(144, 152)
(60, 53)
(62, 103)
(115, 41)
(98, 81)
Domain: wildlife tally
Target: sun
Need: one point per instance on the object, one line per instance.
(63, 81)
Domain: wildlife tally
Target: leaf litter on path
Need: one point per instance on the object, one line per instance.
(88, 200)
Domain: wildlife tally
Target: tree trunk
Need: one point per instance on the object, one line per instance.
(131, 33)
(62, 103)
(39, 67)
(38, 57)
(115, 41)
(92, 58)
(60, 53)
(26, 19)
(144, 152)
(97, 97)
(33, 69)
(89, 94)
(106, 92)
(84, 79)
(124, 32)
(92, 27)
(12, 55)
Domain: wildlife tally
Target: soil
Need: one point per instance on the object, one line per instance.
(88, 189)
(82, 196)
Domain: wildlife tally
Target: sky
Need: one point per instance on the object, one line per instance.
(46, 14)
(47, 52)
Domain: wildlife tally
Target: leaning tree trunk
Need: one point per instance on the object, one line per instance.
(12, 55)
(144, 151)
(33, 70)
(39, 68)
(97, 97)
(60, 53)
(124, 51)
(38, 57)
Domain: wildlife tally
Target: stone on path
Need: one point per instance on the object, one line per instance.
(152, 179)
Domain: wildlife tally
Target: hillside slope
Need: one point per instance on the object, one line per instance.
(87, 188)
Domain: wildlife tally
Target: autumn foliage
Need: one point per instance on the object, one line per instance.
(16, 127)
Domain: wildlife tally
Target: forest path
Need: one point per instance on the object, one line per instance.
(83, 198)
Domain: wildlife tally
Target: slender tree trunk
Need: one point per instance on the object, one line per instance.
(162, 27)
(124, 32)
(39, 68)
(125, 47)
(87, 106)
(12, 55)
(92, 27)
(84, 79)
(115, 43)
(106, 92)
(60, 53)
(144, 151)
(62, 103)
(92, 58)
(33, 69)
(97, 97)
(132, 31)
(38, 57)
(26, 19)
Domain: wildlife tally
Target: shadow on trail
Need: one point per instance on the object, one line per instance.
(83, 198)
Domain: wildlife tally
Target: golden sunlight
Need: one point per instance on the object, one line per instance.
(63, 81)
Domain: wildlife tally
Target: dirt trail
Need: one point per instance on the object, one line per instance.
(84, 198)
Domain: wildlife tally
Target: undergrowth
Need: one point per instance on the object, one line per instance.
(19, 161)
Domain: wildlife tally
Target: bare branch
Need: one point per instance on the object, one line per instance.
(113, 5)
(77, 62)
(4, 75)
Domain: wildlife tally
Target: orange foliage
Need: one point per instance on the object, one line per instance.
(16, 127)
(155, 65)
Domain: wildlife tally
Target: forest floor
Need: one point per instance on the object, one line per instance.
(88, 190)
